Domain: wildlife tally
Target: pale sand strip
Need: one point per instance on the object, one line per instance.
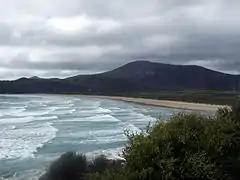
(166, 103)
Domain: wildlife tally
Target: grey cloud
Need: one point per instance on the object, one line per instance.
(179, 32)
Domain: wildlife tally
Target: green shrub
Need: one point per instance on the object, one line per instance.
(70, 166)
(99, 164)
(187, 146)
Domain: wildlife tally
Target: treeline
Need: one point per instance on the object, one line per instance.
(196, 96)
(187, 146)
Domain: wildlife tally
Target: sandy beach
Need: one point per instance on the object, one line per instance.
(166, 103)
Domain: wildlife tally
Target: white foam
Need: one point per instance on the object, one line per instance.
(73, 110)
(115, 108)
(56, 108)
(92, 134)
(90, 104)
(45, 118)
(110, 136)
(22, 143)
(32, 113)
(94, 137)
(104, 140)
(32, 174)
(96, 111)
(11, 111)
(101, 136)
(67, 102)
(16, 120)
(102, 118)
(119, 110)
(41, 101)
(91, 112)
(96, 104)
(132, 129)
(25, 119)
(12, 127)
(63, 112)
(138, 117)
(97, 118)
(102, 110)
(109, 153)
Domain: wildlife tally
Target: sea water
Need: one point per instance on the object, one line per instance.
(37, 129)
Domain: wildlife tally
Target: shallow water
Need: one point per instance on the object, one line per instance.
(36, 129)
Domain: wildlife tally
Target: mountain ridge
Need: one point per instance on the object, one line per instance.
(137, 76)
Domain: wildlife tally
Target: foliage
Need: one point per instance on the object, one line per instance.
(187, 146)
(70, 166)
(99, 164)
(197, 96)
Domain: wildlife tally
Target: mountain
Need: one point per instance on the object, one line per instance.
(34, 77)
(138, 76)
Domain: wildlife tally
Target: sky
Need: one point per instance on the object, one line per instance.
(61, 38)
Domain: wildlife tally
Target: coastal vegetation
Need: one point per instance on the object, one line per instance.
(186, 146)
(192, 96)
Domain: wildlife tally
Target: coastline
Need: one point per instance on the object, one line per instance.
(209, 108)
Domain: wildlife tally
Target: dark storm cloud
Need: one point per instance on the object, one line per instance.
(92, 36)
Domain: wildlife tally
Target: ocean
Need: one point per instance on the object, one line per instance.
(37, 129)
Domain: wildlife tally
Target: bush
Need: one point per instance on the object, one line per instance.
(69, 166)
(72, 166)
(99, 164)
(187, 146)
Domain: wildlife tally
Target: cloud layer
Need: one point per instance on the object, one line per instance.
(62, 38)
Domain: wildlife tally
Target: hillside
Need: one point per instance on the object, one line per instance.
(138, 76)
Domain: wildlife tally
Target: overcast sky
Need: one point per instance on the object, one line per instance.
(59, 38)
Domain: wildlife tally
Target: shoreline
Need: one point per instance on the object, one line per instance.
(209, 108)
(191, 106)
